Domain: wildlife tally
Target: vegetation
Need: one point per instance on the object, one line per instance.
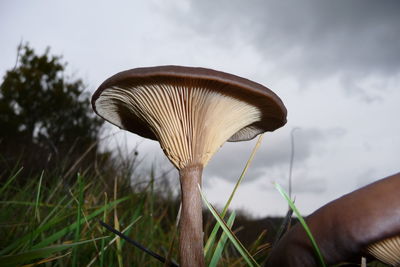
(37, 217)
(51, 223)
(55, 186)
(45, 116)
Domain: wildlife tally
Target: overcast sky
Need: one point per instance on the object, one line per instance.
(335, 65)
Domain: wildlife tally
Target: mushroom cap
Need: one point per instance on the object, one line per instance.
(367, 219)
(386, 250)
(273, 111)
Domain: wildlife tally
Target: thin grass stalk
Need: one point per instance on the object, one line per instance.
(102, 231)
(303, 223)
(292, 151)
(10, 180)
(211, 239)
(37, 213)
(174, 235)
(49, 259)
(235, 241)
(255, 246)
(221, 243)
(105, 247)
(135, 243)
(68, 229)
(27, 256)
(171, 247)
(151, 207)
(72, 168)
(117, 227)
(57, 209)
(78, 218)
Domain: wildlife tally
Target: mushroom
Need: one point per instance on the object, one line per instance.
(191, 112)
(365, 221)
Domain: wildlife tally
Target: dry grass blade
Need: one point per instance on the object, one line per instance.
(50, 259)
(235, 241)
(211, 238)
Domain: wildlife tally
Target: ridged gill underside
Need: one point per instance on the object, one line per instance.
(190, 123)
(387, 250)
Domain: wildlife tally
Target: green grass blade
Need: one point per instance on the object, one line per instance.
(238, 245)
(56, 210)
(25, 257)
(211, 238)
(221, 244)
(303, 223)
(117, 226)
(21, 241)
(253, 153)
(102, 241)
(37, 214)
(72, 227)
(9, 181)
(28, 203)
(78, 218)
(103, 247)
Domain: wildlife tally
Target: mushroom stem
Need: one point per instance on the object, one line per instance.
(191, 221)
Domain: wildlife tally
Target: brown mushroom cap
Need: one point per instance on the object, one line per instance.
(365, 220)
(272, 108)
(387, 250)
(170, 90)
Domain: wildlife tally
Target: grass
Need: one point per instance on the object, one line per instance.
(228, 232)
(303, 223)
(49, 220)
(34, 227)
(52, 220)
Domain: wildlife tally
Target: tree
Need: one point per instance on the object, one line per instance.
(45, 116)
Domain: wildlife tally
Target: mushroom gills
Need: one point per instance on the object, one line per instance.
(190, 122)
(387, 250)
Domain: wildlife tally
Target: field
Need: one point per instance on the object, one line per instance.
(54, 220)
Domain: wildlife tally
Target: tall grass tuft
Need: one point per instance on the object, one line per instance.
(48, 219)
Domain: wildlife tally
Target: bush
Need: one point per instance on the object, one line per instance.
(45, 116)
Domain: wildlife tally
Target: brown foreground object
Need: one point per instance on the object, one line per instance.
(365, 221)
(191, 112)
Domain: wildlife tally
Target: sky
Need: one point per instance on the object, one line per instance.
(335, 65)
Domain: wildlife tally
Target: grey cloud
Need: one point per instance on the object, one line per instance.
(310, 40)
(309, 185)
(272, 160)
(351, 86)
(371, 175)
(366, 177)
(303, 183)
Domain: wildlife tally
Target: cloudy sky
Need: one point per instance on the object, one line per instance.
(335, 64)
